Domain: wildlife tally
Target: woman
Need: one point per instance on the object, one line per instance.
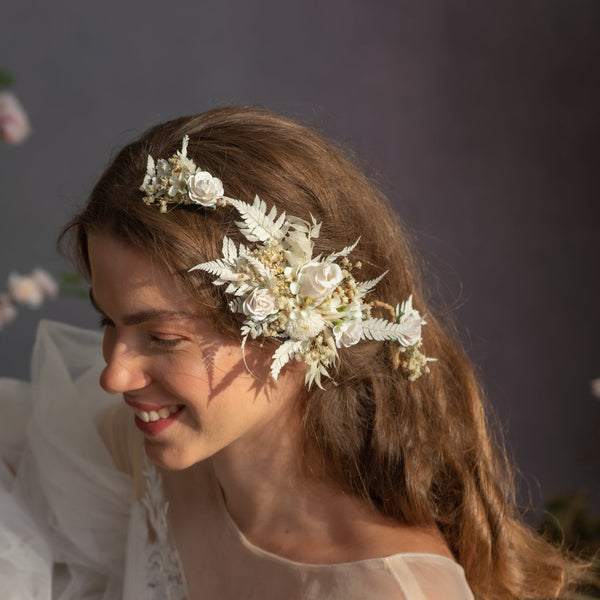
(292, 425)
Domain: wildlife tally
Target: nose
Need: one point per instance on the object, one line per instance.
(125, 370)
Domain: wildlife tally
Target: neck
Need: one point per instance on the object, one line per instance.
(280, 508)
(306, 518)
(260, 477)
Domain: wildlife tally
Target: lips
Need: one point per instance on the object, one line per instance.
(151, 419)
(150, 416)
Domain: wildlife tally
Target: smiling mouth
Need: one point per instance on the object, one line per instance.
(151, 416)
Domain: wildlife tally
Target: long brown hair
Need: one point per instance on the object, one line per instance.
(420, 451)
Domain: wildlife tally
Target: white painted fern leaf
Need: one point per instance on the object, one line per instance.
(284, 354)
(364, 287)
(257, 225)
(224, 271)
(381, 330)
(347, 250)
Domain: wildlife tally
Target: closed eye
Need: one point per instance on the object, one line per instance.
(164, 343)
(104, 322)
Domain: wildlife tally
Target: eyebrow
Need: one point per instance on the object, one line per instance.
(143, 316)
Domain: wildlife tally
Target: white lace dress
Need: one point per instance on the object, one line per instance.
(71, 527)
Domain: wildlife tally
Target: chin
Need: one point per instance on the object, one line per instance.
(169, 458)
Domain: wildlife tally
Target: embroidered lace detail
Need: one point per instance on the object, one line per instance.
(162, 571)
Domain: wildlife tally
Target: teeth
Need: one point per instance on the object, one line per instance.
(154, 415)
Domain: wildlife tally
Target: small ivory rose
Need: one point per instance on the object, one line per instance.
(348, 334)
(14, 125)
(317, 280)
(204, 189)
(259, 304)
(25, 290)
(411, 328)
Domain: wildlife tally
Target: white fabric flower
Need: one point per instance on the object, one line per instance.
(163, 168)
(304, 324)
(178, 184)
(25, 290)
(291, 276)
(204, 189)
(259, 304)
(348, 334)
(317, 280)
(411, 328)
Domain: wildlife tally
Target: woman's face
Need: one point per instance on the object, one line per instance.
(190, 392)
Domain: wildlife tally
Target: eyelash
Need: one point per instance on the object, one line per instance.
(163, 343)
(105, 322)
(158, 342)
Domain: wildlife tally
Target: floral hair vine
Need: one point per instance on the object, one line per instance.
(313, 304)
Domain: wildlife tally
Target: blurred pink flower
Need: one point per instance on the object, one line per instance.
(45, 282)
(8, 312)
(24, 290)
(14, 124)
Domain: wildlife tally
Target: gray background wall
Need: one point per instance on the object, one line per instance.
(480, 119)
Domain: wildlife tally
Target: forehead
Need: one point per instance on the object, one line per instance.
(123, 275)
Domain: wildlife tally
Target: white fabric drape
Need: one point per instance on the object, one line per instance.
(71, 528)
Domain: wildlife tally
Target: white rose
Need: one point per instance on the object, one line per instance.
(411, 328)
(259, 304)
(348, 334)
(204, 189)
(317, 280)
(25, 290)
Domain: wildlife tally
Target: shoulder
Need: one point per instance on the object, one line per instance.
(418, 558)
(377, 535)
(422, 576)
(407, 539)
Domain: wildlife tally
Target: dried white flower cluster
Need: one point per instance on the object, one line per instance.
(27, 290)
(313, 304)
(179, 181)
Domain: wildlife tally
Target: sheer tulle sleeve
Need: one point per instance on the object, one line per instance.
(66, 478)
(25, 557)
(429, 577)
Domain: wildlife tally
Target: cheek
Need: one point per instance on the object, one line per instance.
(212, 361)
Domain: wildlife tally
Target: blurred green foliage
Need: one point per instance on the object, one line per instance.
(6, 79)
(74, 285)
